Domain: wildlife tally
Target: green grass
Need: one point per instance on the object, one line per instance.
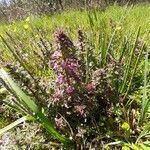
(128, 18)
(94, 23)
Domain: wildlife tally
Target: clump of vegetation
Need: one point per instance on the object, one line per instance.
(81, 89)
(82, 93)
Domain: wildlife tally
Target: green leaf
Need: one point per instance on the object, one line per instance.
(14, 124)
(125, 148)
(136, 147)
(145, 147)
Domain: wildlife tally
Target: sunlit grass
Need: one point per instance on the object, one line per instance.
(129, 18)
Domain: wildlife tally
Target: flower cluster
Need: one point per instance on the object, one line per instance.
(80, 99)
(67, 69)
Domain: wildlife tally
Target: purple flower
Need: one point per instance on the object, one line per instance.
(72, 67)
(60, 79)
(70, 64)
(56, 66)
(80, 109)
(59, 122)
(70, 90)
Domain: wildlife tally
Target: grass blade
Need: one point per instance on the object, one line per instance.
(127, 69)
(133, 72)
(145, 101)
(14, 124)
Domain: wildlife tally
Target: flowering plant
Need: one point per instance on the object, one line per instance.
(86, 99)
(84, 93)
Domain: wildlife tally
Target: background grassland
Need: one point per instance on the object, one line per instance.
(94, 23)
(128, 19)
